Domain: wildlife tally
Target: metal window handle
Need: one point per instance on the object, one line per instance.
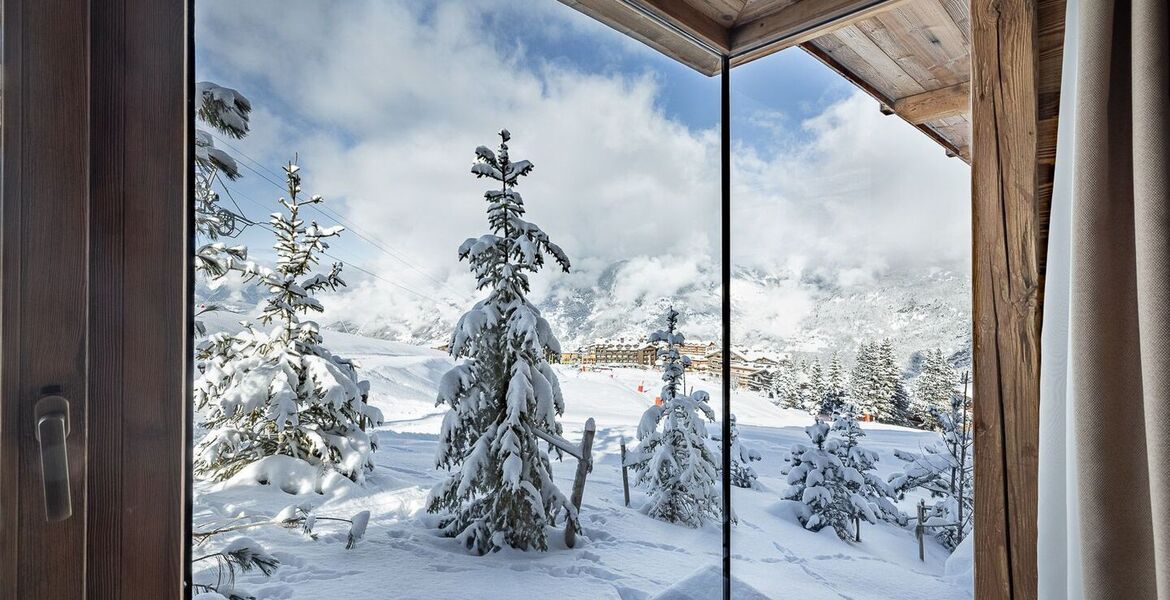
(52, 414)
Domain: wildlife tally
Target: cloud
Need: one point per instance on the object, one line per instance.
(386, 100)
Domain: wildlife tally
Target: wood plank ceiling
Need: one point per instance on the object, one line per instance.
(912, 56)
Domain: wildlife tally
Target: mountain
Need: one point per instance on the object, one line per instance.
(808, 313)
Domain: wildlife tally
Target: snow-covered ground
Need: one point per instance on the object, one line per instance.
(622, 554)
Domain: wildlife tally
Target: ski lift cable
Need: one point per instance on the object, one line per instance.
(334, 215)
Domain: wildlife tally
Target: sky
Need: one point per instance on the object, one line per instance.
(384, 101)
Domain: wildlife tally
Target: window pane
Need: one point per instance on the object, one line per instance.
(852, 329)
(347, 443)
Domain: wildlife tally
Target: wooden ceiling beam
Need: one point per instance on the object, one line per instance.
(935, 104)
(798, 23)
(631, 19)
(691, 19)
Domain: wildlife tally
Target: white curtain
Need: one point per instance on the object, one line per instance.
(1058, 542)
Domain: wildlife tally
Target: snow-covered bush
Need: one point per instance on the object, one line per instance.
(946, 469)
(501, 492)
(816, 479)
(742, 457)
(274, 388)
(672, 460)
(834, 479)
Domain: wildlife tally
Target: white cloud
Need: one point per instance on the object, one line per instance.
(386, 100)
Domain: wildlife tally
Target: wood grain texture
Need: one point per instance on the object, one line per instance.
(1008, 245)
(798, 23)
(138, 337)
(628, 21)
(936, 104)
(42, 287)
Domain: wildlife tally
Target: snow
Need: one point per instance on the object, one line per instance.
(621, 553)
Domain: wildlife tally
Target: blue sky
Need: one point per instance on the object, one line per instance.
(384, 101)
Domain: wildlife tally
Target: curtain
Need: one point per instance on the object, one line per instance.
(1110, 472)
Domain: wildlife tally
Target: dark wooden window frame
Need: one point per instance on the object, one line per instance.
(111, 71)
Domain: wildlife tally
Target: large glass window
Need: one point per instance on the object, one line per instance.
(852, 337)
(387, 410)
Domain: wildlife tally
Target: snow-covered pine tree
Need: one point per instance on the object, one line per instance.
(836, 391)
(227, 111)
(903, 405)
(934, 389)
(742, 457)
(281, 391)
(816, 479)
(672, 460)
(946, 469)
(817, 390)
(874, 381)
(872, 497)
(785, 387)
(501, 492)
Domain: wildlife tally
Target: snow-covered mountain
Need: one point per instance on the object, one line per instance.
(807, 314)
(810, 313)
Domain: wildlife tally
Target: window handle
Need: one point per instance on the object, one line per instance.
(52, 414)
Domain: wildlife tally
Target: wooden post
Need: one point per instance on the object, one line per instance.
(584, 466)
(857, 524)
(920, 530)
(625, 475)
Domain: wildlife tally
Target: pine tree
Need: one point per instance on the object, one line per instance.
(836, 392)
(672, 459)
(785, 387)
(501, 492)
(945, 469)
(872, 497)
(742, 457)
(874, 381)
(817, 389)
(935, 388)
(227, 111)
(816, 479)
(280, 390)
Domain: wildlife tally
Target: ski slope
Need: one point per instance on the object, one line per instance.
(621, 554)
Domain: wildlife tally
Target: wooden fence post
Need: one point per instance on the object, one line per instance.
(584, 466)
(625, 475)
(920, 529)
(857, 523)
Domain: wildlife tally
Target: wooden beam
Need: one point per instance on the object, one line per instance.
(691, 20)
(1008, 281)
(798, 23)
(935, 104)
(631, 22)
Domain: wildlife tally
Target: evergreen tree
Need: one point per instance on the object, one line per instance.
(904, 413)
(816, 479)
(742, 457)
(836, 392)
(785, 386)
(817, 389)
(672, 459)
(935, 388)
(501, 492)
(872, 497)
(945, 469)
(227, 111)
(280, 390)
(874, 381)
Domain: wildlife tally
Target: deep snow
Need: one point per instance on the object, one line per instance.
(622, 554)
